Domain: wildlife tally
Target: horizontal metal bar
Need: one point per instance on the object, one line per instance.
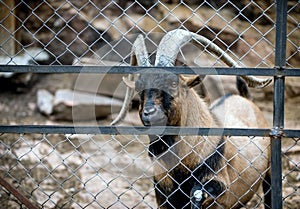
(291, 133)
(141, 130)
(133, 130)
(135, 70)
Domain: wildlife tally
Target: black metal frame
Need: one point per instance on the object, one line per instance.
(276, 133)
(276, 71)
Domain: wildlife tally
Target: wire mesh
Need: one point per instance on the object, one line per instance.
(290, 159)
(72, 30)
(80, 171)
(110, 171)
(88, 171)
(62, 32)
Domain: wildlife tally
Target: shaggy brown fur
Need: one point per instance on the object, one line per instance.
(240, 163)
(198, 171)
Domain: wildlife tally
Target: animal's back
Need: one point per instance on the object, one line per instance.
(247, 156)
(235, 111)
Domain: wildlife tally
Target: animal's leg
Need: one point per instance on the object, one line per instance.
(267, 190)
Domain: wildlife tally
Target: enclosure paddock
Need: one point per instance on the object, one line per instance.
(68, 156)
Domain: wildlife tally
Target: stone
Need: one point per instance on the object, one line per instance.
(45, 101)
(79, 106)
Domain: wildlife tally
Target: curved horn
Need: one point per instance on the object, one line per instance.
(172, 42)
(139, 51)
(170, 45)
(139, 56)
(252, 81)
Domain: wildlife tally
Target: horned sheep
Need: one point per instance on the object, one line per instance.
(198, 171)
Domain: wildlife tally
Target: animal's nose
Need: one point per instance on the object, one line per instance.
(153, 115)
(149, 114)
(149, 110)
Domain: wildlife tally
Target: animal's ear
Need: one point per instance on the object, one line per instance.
(193, 80)
(129, 83)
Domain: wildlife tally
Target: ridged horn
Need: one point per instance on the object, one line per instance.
(171, 43)
(139, 56)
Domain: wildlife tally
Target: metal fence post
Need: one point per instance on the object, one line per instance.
(278, 104)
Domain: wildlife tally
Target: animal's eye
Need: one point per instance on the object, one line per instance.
(172, 80)
(174, 84)
(137, 89)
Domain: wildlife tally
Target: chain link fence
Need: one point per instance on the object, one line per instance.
(59, 167)
(83, 171)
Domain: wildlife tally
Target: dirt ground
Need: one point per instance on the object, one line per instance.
(76, 171)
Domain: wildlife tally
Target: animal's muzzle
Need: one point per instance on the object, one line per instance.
(153, 115)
